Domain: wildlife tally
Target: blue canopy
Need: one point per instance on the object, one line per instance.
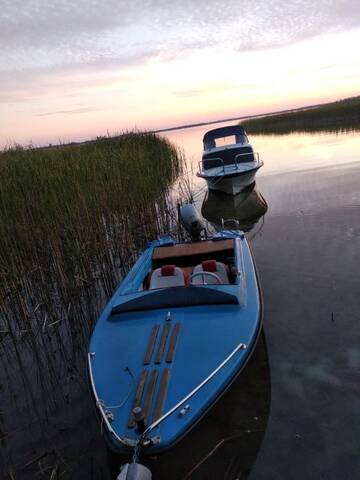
(223, 132)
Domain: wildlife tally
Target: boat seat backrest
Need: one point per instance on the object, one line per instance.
(167, 276)
(212, 266)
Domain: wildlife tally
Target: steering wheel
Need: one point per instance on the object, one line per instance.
(210, 274)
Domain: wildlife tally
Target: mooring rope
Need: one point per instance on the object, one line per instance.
(122, 403)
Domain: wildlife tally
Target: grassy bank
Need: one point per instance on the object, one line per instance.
(72, 221)
(75, 217)
(335, 116)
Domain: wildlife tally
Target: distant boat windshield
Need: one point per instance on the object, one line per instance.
(220, 137)
(231, 140)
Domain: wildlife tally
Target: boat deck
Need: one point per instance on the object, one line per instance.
(160, 349)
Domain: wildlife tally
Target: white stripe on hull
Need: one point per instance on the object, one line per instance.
(231, 185)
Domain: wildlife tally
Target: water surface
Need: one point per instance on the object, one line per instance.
(307, 252)
(281, 153)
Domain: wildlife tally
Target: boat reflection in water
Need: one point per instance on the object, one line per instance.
(241, 211)
(226, 442)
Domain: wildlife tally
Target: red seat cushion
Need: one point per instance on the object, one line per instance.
(168, 270)
(209, 265)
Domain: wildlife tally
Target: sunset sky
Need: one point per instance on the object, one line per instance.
(74, 70)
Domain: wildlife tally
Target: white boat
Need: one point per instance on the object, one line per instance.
(229, 163)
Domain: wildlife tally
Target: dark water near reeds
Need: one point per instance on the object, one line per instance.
(293, 412)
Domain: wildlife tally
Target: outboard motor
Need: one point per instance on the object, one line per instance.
(134, 471)
(191, 221)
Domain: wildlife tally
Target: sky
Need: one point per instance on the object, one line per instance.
(75, 70)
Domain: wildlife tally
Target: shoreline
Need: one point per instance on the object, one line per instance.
(231, 119)
(250, 120)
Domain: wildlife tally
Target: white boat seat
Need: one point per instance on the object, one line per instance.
(210, 266)
(167, 276)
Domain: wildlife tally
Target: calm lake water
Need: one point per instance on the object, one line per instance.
(307, 250)
(281, 153)
(293, 412)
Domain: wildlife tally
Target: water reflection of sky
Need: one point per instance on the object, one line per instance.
(306, 252)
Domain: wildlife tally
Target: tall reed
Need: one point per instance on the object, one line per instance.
(72, 221)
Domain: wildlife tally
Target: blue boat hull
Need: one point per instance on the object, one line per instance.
(198, 351)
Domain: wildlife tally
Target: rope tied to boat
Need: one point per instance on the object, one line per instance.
(101, 402)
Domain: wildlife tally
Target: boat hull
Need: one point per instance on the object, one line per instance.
(197, 372)
(231, 183)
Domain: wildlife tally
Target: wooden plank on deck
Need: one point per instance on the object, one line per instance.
(150, 393)
(151, 344)
(164, 335)
(162, 394)
(173, 340)
(138, 397)
(192, 248)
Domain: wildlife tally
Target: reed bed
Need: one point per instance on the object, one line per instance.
(335, 116)
(72, 221)
(63, 210)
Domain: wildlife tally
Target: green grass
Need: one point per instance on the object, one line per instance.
(75, 217)
(72, 221)
(335, 116)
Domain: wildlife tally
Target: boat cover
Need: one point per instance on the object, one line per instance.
(212, 135)
(176, 297)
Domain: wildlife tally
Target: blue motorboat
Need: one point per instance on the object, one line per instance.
(175, 334)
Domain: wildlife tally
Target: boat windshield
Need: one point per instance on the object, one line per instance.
(178, 297)
(220, 142)
(220, 137)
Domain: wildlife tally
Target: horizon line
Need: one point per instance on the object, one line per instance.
(242, 117)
